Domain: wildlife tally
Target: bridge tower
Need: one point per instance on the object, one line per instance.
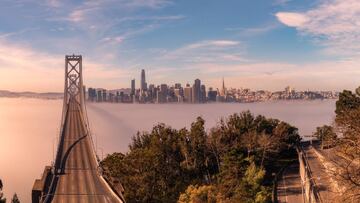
(73, 88)
(76, 162)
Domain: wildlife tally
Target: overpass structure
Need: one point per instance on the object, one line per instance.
(75, 175)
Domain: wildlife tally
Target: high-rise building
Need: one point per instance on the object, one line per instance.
(143, 85)
(188, 94)
(223, 89)
(91, 94)
(104, 95)
(133, 87)
(99, 95)
(179, 95)
(196, 91)
(162, 94)
(212, 95)
(151, 91)
(177, 86)
(202, 94)
(289, 90)
(111, 97)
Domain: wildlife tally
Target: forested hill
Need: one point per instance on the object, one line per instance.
(234, 162)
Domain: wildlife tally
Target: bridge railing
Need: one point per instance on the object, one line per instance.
(89, 133)
(48, 192)
(309, 186)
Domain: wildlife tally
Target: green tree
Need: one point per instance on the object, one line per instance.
(347, 101)
(229, 163)
(347, 122)
(199, 194)
(153, 166)
(198, 149)
(285, 136)
(233, 168)
(252, 189)
(326, 135)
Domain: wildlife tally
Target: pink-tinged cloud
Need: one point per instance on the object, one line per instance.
(292, 19)
(334, 24)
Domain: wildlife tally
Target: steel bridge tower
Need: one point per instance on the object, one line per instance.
(75, 175)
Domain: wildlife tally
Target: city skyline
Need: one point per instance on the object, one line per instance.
(197, 93)
(279, 42)
(136, 83)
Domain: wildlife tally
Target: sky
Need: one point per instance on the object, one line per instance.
(257, 44)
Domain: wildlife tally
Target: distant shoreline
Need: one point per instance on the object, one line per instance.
(35, 95)
(58, 96)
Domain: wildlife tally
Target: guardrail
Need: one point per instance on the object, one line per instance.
(56, 164)
(274, 196)
(85, 121)
(309, 187)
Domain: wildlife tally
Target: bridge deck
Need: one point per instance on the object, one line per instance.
(79, 180)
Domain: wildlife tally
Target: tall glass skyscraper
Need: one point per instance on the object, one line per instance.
(143, 85)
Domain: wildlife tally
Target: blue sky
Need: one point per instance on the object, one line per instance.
(259, 44)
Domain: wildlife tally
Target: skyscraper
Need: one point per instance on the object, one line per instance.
(133, 87)
(143, 85)
(188, 93)
(223, 90)
(212, 94)
(162, 94)
(196, 92)
(202, 94)
(92, 94)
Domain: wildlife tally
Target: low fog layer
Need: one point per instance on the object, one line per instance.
(115, 124)
(29, 128)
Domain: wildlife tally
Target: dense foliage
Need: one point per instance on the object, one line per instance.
(347, 125)
(326, 134)
(233, 162)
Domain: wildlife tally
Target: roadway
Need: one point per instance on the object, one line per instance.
(78, 179)
(289, 185)
(320, 176)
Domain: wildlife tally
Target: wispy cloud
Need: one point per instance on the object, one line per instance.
(281, 2)
(207, 51)
(333, 23)
(150, 18)
(147, 3)
(96, 19)
(253, 31)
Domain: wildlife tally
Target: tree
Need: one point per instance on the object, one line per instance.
(198, 149)
(233, 168)
(252, 189)
(347, 102)
(266, 144)
(153, 166)
(199, 194)
(15, 199)
(228, 164)
(326, 135)
(347, 123)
